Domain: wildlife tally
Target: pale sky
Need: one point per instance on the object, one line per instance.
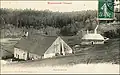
(65, 6)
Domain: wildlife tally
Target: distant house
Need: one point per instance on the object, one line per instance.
(93, 38)
(36, 47)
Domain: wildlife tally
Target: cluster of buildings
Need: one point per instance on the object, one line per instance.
(35, 47)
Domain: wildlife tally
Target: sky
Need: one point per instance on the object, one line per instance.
(62, 6)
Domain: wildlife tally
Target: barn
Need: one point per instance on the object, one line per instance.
(36, 47)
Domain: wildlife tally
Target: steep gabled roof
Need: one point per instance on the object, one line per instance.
(38, 44)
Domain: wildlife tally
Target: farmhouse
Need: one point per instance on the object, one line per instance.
(36, 47)
(93, 38)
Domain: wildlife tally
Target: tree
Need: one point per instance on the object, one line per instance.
(67, 21)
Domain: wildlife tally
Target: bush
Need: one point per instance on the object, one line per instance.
(69, 30)
(112, 33)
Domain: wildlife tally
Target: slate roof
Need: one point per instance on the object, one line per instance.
(71, 40)
(35, 44)
(38, 44)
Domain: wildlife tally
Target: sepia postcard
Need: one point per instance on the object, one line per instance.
(60, 37)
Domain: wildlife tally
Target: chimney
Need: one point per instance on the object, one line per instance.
(87, 31)
(95, 30)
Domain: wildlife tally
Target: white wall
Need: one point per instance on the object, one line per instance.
(90, 42)
(55, 48)
(34, 56)
(19, 53)
(24, 55)
(49, 55)
(68, 49)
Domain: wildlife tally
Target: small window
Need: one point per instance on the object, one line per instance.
(36, 57)
(57, 54)
(92, 43)
(23, 53)
(16, 56)
(32, 58)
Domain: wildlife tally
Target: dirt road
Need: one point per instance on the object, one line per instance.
(100, 68)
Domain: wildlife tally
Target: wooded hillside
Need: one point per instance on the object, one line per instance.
(68, 23)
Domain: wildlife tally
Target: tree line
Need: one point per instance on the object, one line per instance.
(69, 22)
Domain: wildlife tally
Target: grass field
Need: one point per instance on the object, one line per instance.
(7, 44)
(106, 53)
(96, 58)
